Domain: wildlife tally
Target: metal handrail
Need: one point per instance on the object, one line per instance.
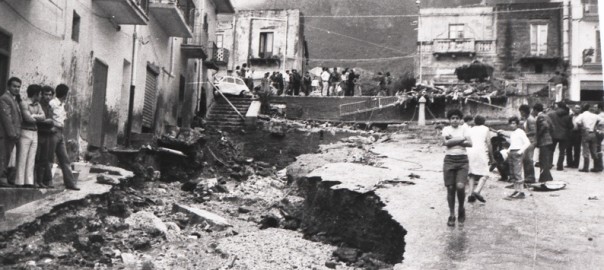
(368, 105)
(225, 98)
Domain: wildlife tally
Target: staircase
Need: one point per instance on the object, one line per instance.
(222, 115)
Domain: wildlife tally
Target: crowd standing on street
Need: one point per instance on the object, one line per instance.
(31, 134)
(472, 149)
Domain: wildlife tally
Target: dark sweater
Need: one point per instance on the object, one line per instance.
(561, 124)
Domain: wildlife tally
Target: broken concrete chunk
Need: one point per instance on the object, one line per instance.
(106, 179)
(110, 170)
(130, 261)
(147, 222)
(198, 215)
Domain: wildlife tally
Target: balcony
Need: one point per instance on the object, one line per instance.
(194, 48)
(453, 47)
(173, 16)
(125, 11)
(590, 12)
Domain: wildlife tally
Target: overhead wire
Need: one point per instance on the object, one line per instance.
(29, 22)
(357, 39)
(436, 14)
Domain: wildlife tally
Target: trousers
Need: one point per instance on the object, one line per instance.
(26, 157)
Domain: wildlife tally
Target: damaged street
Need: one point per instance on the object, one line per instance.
(355, 199)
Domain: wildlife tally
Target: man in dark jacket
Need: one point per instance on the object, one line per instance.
(573, 148)
(545, 143)
(10, 126)
(561, 127)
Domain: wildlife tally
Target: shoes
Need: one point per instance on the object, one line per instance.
(451, 221)
(559, 168)
(516, 195)
(29, 186)
(471, 198)
(537, 164)
(479, 197)
(584, 170)
(73, 188)
(461, 216)
(595, 170)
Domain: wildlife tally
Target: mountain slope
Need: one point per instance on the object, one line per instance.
(353, 38)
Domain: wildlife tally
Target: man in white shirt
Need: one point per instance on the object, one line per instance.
(325, 75)
(587, 122)
(59, 115)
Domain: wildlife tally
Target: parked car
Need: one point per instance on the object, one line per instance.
(230, 85)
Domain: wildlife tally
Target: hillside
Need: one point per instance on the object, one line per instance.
(353, 38)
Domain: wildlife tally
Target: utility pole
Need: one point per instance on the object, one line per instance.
(419, 27)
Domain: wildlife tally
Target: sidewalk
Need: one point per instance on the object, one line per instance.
(31, 211)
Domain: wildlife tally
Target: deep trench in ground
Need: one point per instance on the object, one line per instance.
(337, 217)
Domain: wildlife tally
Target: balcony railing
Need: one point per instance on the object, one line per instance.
(590, 11)
(453, 46)
(221, 56)
(195, 47)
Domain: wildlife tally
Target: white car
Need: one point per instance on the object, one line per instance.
(235, 86)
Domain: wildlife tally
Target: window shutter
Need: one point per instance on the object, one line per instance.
(542, 39)
(533, 39)
(150, 98)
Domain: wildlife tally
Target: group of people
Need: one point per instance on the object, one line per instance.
(470, 154)
(31, 133)
(336, 83)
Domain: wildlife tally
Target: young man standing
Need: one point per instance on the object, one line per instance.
(518, 144)
(573, 149)
(545, 143)
(561, 127)
(587, 122)
(325, 75)
(59, 115)
(28, 143)
(455, 168)
(530, 129)
(10, 126)
(45, 134)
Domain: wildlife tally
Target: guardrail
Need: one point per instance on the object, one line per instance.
(375, 103)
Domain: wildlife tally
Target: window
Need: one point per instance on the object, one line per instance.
(593, 55)
(266, 45)
(75, 27)
(205, 23)
(538, 68)
(219, 39)
(538, 39)
(239, 82)
(456, 31)
(590, 8)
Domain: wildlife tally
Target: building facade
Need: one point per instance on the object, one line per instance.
(529, 44)
(265, 40)
(452, 37)
(113, 54)
(585, 80)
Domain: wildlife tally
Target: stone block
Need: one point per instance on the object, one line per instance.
(197, 215)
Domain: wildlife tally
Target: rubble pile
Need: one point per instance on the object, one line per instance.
(185, 222)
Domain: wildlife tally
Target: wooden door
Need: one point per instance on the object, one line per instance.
(97, 106)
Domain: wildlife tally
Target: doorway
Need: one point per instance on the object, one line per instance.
(96, 125)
